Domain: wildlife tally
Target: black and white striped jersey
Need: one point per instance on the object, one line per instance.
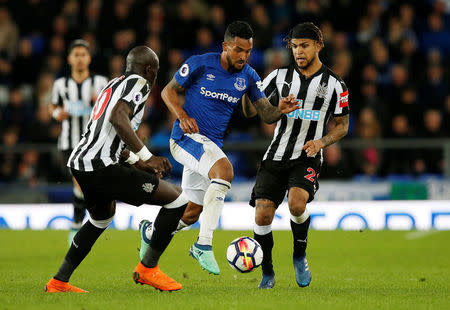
(101, 145)
(75, 98)
(320, 96)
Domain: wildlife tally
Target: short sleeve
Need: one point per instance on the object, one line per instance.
(56, 96)
(270, 88)
(342, 103)
(189, 71)
(135, 91)
(255, 89)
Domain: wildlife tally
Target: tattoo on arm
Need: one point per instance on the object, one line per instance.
(177, 87)
(338, 132)
(266, 111)
(248, 108)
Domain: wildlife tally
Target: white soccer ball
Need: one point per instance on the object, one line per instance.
(244, 254)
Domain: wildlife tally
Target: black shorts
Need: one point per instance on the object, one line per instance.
(116, 182)
(275, 178)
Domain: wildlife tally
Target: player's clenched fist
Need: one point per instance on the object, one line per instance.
(188, 125)
(288, 104)
(312, 147)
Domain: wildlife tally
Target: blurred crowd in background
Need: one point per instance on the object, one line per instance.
(393, 56)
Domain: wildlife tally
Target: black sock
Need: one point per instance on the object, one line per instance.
(79, 210)
(300, 234)
(151, 257)
(80, 247)
(165, 225)
(266, 242)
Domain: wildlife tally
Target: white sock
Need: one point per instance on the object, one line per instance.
(301, 218)
(181, 225)
(212, 208)
(262, 230)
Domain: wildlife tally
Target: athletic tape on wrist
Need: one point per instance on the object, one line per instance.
(132, 159)
(56, 112)
(144, 154)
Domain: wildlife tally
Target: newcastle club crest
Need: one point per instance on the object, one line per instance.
(322, 90)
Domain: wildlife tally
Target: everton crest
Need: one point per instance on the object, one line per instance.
(240, 84)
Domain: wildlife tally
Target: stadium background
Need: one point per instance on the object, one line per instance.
(393, 55)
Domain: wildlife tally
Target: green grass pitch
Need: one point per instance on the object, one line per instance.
(351, 270)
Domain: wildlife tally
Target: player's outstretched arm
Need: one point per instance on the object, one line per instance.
(170, 96)
(312, 147)
(270, 114)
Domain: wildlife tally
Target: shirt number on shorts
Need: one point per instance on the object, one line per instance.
(311, 174)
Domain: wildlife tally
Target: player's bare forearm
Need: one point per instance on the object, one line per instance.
(268, 113)
(170, 96)
(271, 114)
(120, 119)
(338, 132)
(247, 107)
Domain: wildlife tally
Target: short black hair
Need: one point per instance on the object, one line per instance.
(239, 29)
(76, 43)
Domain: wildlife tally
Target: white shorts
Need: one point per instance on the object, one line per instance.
(197, 154)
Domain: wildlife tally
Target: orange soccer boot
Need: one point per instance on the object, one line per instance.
(56, 286)
(155, 277)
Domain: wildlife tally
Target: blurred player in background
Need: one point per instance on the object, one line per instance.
(94, 163)
(293, 160)
(213, 85)
(73, 97)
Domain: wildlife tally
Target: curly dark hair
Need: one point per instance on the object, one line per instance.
(304, 30)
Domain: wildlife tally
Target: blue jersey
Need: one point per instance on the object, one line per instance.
(212, 94)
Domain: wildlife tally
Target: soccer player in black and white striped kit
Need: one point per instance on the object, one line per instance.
(293, 160)
(94, 163)
(73, 97)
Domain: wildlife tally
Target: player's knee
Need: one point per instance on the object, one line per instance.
(222, 169)
(264, 213)
(263, 218)
(298, 207)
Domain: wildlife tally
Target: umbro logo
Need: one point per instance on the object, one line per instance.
(210, 77)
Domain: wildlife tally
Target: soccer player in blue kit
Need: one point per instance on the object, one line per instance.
(213, 85)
